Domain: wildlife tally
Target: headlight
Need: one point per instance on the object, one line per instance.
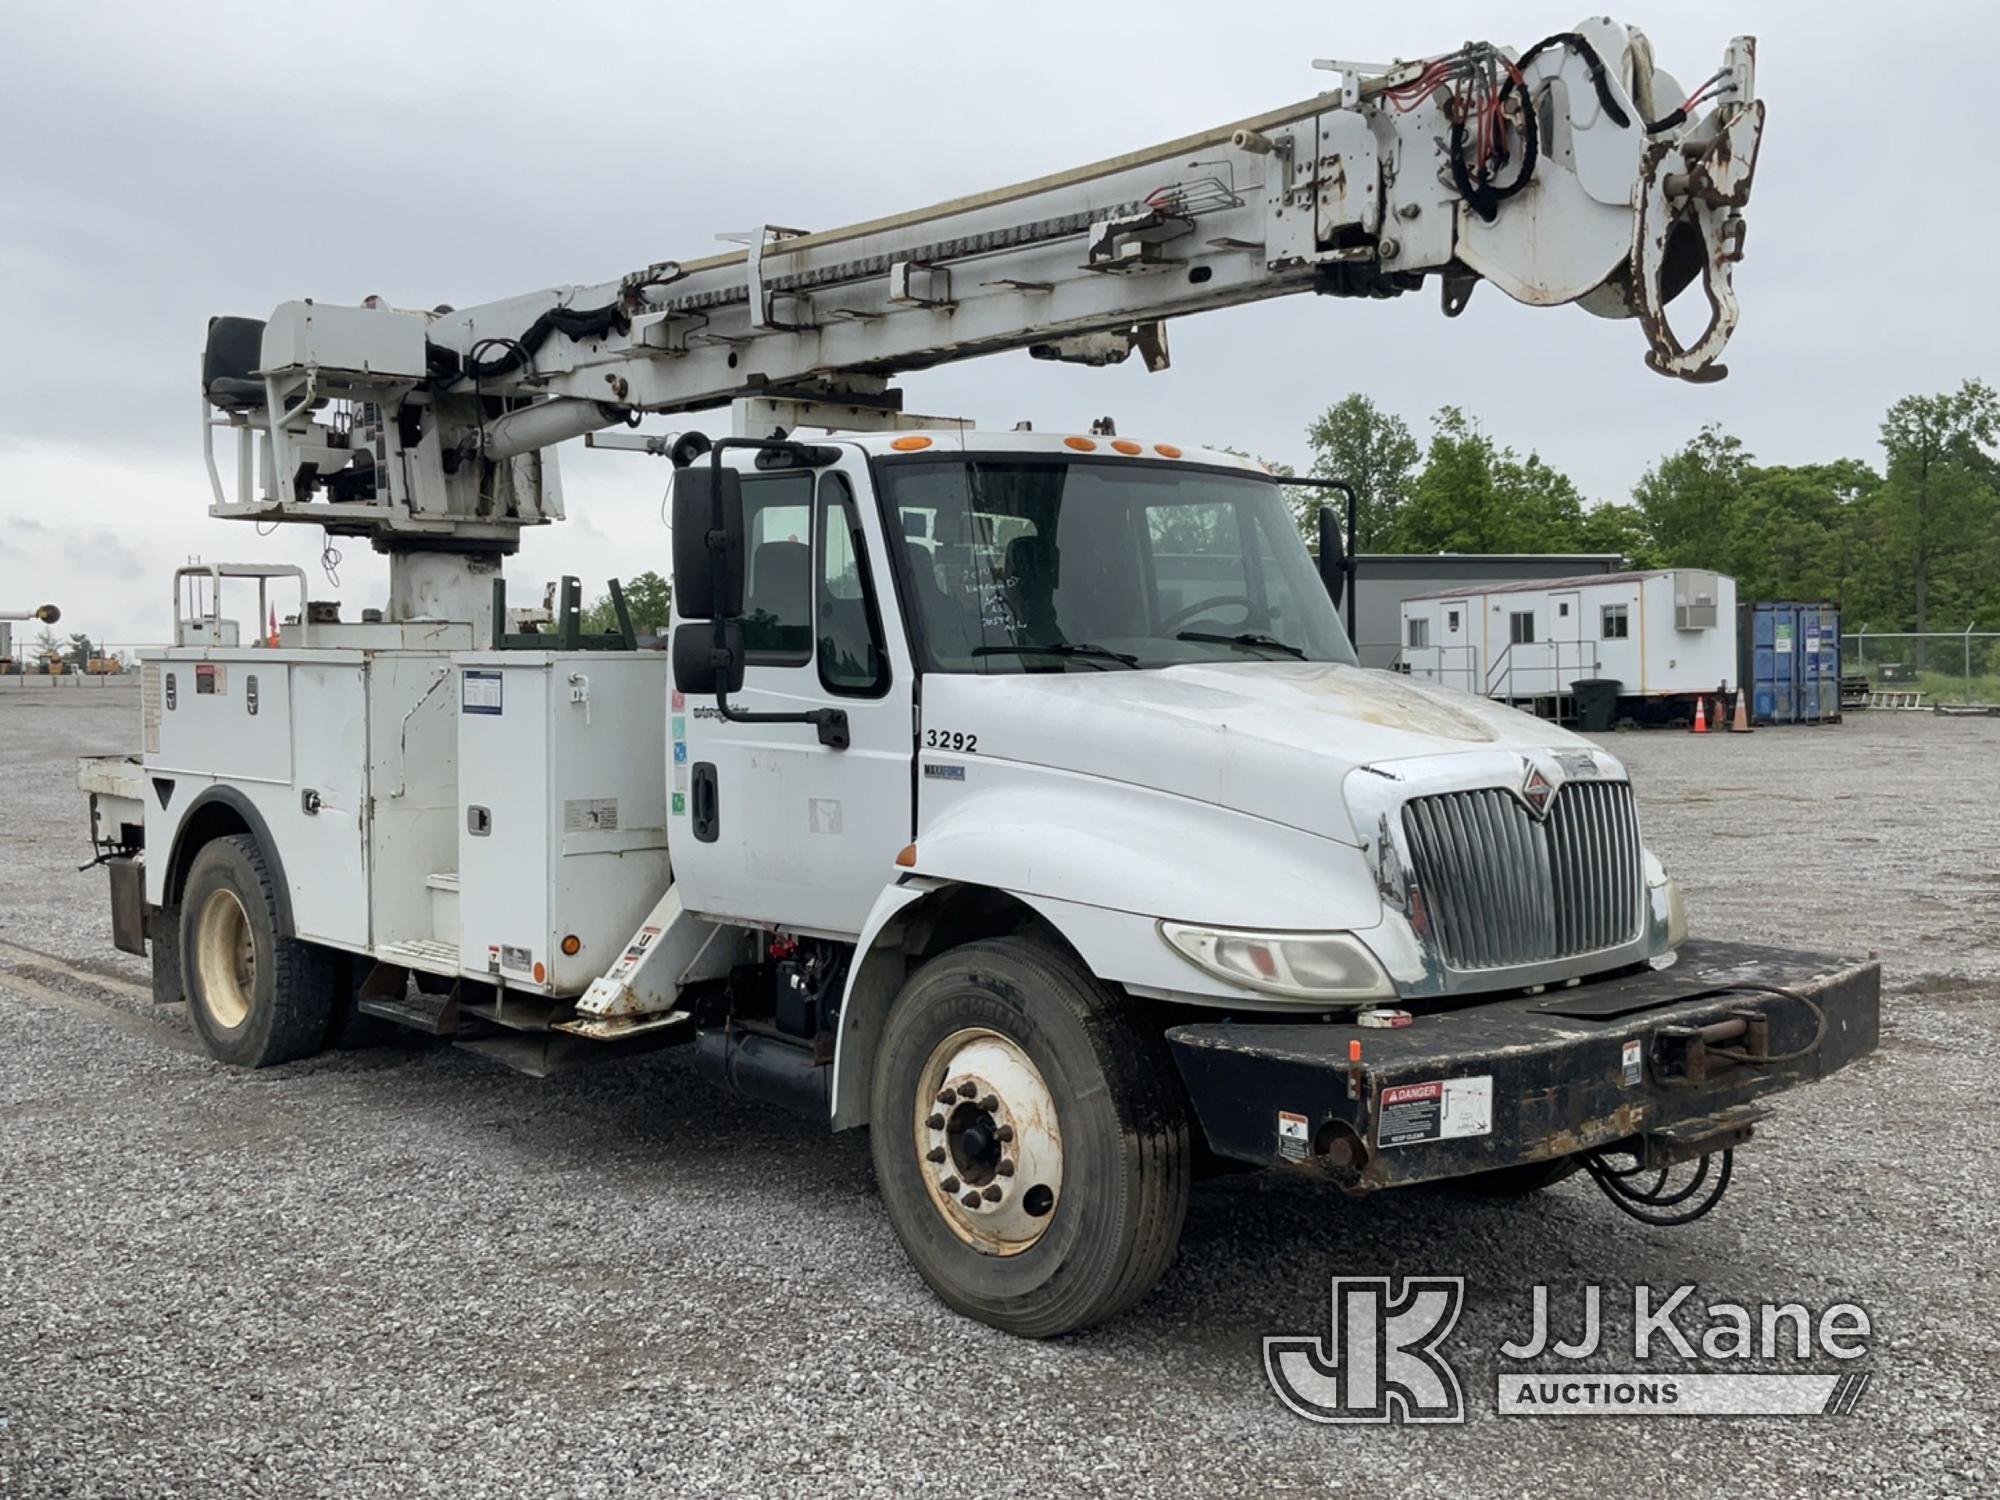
(1665, 895)
(1323, 966)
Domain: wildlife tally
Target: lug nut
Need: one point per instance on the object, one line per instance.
(950, 1184)
(1006, 1167)
(935, 1122)
(947, 1097)
(968, 1089)
(989, 1103)
(1005, 1132)
(970, 1200)
(992, 1192)
(936, 1153)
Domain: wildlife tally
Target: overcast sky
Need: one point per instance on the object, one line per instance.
(162, 163)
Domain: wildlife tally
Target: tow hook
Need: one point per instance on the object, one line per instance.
(1684, 1054)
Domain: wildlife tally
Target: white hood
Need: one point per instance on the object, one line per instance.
(1271, 739)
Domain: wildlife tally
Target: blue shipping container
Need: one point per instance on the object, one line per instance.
(1791, 662)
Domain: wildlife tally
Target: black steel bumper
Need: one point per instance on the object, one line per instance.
(1637, 1058)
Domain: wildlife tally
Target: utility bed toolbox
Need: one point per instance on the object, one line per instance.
(1534, 1077)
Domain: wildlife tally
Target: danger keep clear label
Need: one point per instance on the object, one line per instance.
(1413, 1113)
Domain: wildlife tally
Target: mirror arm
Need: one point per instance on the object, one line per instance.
(830, 722)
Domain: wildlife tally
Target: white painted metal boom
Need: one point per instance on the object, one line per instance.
(1575, 171)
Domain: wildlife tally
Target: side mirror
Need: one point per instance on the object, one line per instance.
(703, 669)
(1332, 556)
(48, 614)
(702, 591)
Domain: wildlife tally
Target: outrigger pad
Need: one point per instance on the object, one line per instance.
(1510, 1079)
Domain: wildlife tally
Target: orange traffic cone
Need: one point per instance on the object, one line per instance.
(1741, 723)
(1700, 716)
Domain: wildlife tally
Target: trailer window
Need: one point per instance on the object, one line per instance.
(1420, 633)
(852, 660)
(1522, 631)
(1617, 623)
(777, 583)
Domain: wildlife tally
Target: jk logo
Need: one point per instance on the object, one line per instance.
(1380, 1362)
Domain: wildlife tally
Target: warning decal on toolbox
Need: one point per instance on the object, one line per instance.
(1413, 1113)
(1294, 1135)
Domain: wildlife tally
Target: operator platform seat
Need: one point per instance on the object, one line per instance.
(234, 353)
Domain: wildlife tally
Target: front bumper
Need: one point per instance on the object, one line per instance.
(1528, 1078)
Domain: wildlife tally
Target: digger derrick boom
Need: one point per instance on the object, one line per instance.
(1575, 171)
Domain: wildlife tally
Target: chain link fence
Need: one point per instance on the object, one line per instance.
(1944, 666)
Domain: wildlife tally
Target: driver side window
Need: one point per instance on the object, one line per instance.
(777, 586)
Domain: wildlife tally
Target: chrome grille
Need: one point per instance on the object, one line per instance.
(1501, 887)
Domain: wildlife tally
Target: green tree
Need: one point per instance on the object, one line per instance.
(1938, 496)
(1796, 532)
(1355, 440)
(78, 651)
(1474, 496)
(1611, 527)
(648, 599)
(1689, 500)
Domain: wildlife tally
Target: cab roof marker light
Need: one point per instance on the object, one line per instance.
(1166, 450)
(1081, 444)
(1126, 445)
(912, 444)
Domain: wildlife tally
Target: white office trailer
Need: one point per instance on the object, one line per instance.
(1665, 637)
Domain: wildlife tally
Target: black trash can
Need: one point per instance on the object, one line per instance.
(1596, 703)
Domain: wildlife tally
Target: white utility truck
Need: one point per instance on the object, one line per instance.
(1014, 795)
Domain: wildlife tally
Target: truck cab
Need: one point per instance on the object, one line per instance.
(1103, 677)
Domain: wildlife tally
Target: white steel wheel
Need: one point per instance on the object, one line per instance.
(990, 1141)
(1030, 1137)
(225, 958)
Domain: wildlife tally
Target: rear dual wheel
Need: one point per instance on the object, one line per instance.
(256, 996)
(1030, 1138)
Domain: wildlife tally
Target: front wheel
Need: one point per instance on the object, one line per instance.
(1030, 1138)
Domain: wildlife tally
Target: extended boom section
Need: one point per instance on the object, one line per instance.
(1574, 171)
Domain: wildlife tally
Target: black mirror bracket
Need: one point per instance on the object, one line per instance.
(830, 722)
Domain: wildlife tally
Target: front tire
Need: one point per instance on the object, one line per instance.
(256, 996)
(1030, 1139)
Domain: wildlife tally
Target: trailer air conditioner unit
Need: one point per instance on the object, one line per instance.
(1695, 596)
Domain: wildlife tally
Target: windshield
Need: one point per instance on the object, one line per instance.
(1057, 565)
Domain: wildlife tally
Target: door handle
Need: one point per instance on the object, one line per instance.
(705, 812)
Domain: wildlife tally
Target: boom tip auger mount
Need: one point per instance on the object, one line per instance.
(1575, 171)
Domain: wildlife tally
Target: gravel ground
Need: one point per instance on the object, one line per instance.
(407, 1272)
